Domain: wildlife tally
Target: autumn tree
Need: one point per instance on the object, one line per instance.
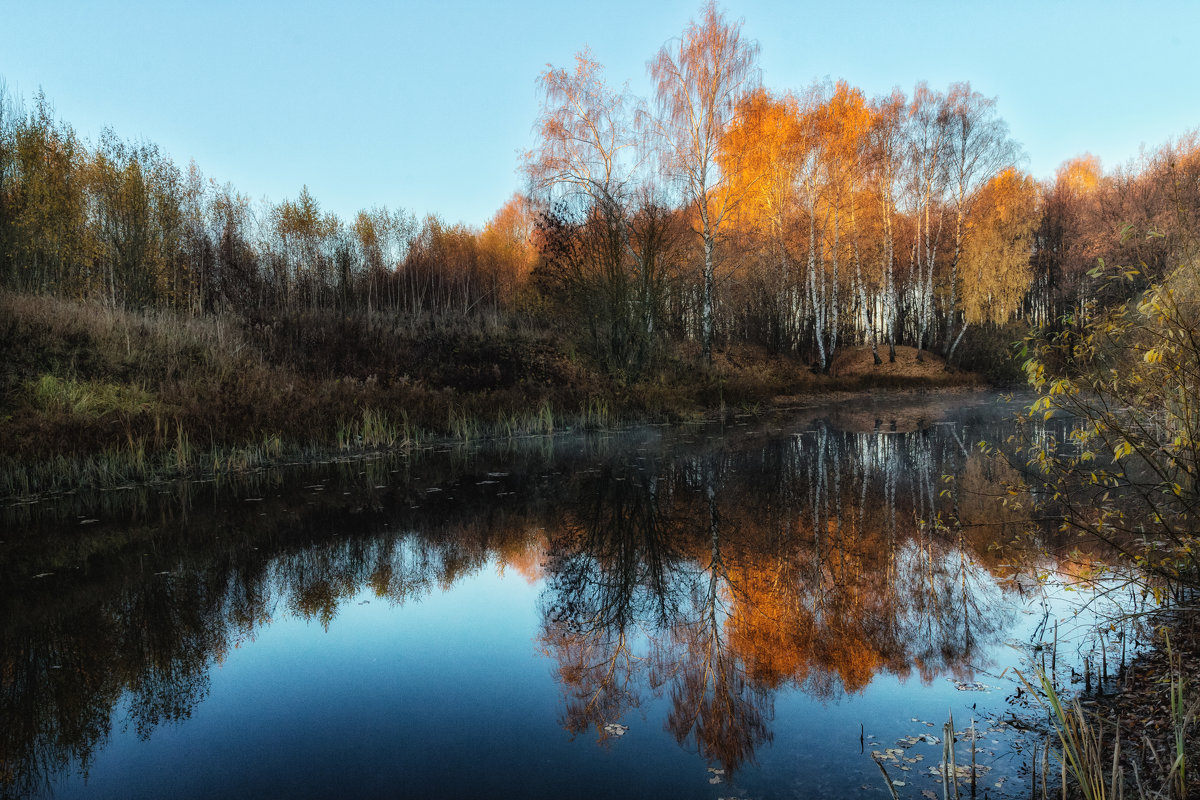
(759, 152)
(236, 281)
(507, 245)
(842, 125)
(587, 144)
(699, 79)
(928, 132)
(884, 165)
(46, 203)
(978, 147)
(591, 169)
(9, 270)
(1127, 472)
(995, 261)
(382, 238)
(304, 232)
(1061, 259)
(190, 280)
(137, 220)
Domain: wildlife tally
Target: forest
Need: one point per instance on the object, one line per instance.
(781, 228)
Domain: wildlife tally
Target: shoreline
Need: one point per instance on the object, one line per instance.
(122, 469)
(92, 396)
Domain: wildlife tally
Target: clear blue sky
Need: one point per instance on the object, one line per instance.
(427, 105)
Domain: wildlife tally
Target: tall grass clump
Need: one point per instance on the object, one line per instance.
(89, 399)
(374, 430)
(461, 425)
(596, 414)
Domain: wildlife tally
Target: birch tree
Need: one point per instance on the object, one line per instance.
(592, 159)
(928, 132)
(811, 170)
(699, 79)
(886, 142)
(843, 129)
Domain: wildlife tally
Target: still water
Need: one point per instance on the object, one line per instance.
(738, 610)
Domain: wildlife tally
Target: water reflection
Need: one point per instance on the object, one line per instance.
(814, 560)
(713, 570)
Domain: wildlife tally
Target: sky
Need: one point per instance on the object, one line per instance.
(428, 106)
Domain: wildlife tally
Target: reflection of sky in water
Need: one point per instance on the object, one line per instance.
(449, 695)
(443, 697)
(471, 684)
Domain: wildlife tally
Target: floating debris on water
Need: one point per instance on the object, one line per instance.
(615, 729)
(960, 772)
(909, 741)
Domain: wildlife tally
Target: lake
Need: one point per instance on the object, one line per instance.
(747, 609)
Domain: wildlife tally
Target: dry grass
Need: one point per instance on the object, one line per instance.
(91, 395)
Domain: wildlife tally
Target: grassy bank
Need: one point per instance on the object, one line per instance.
(95, 396)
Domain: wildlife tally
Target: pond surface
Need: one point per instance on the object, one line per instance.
(739, 610)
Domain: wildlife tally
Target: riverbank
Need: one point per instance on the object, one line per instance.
(1152, 714)
(92, 396)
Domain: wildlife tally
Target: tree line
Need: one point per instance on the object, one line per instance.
(119, 222)
(716, 212)
(806, 220)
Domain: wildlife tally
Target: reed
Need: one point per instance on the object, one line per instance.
(596, 414)
(462, 426)
(1092, 754)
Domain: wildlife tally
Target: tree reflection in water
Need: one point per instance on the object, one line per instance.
(710, 574)
(812, 561)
